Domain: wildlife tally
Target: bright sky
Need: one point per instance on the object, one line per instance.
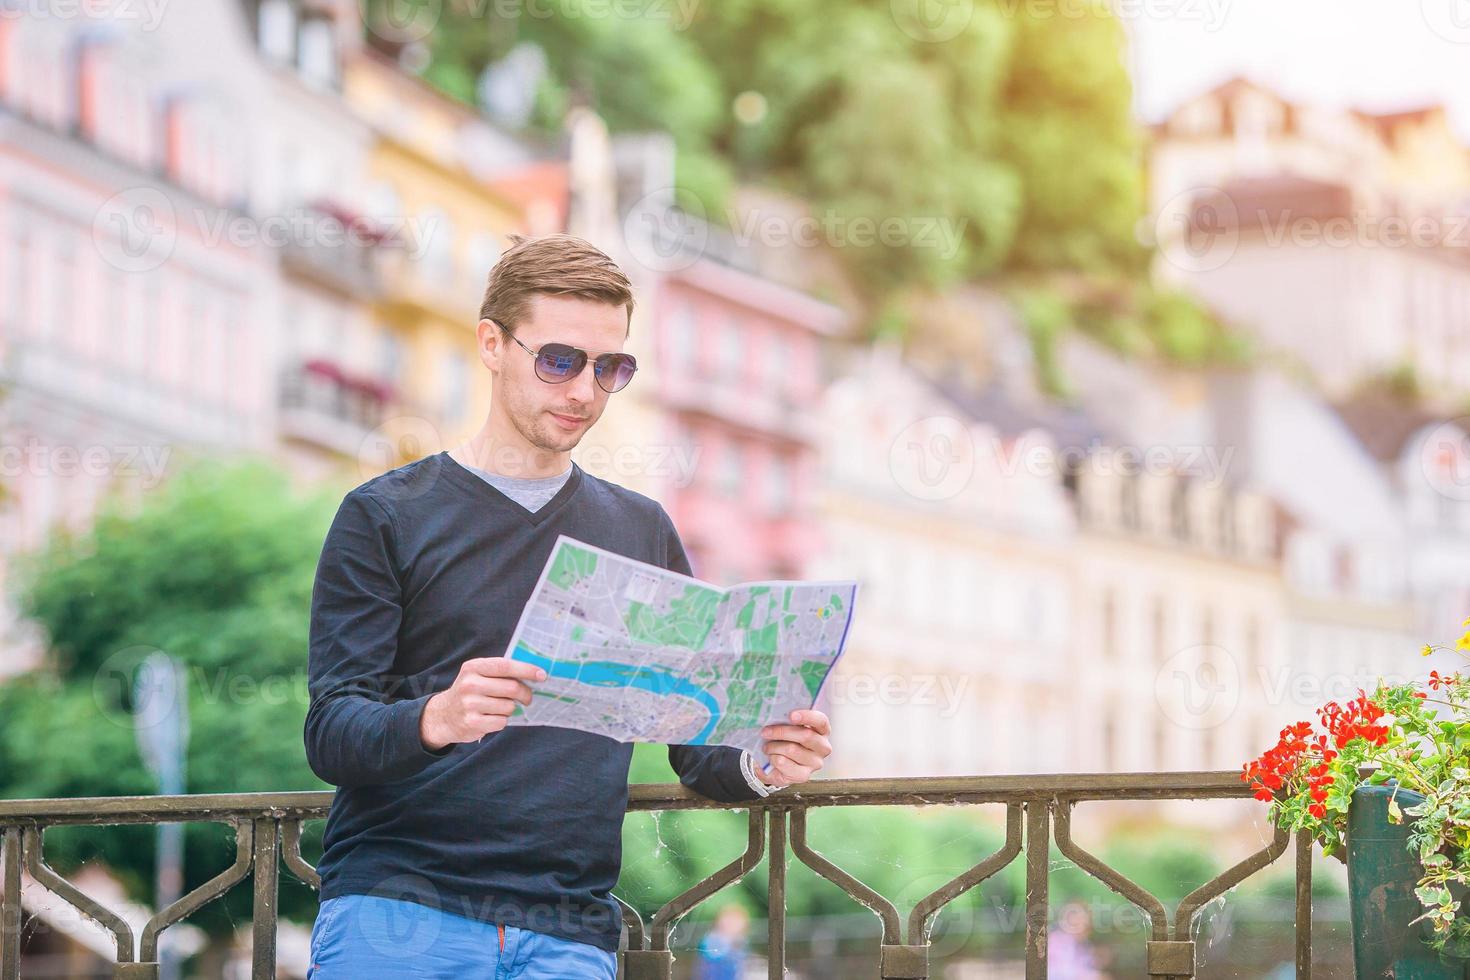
(1375, 54)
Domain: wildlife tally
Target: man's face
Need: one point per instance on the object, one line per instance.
(554, 417)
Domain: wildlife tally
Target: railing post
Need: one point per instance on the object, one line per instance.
(1038, 868)
(776, 897)
(1303, 905)
(10, 904)
(267, 880)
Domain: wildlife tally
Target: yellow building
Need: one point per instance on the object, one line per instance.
(429, 175)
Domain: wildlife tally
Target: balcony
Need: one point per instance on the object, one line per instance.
(1038, 818)
(325, 406)
(753, 407)
(335, 250)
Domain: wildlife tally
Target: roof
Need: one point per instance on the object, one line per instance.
(994, 406)
(1384, 424)
(1250, 202)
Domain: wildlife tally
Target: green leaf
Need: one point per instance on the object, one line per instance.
(1395, 815)
(1432, 895)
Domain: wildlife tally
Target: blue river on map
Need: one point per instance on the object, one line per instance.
(608, 673)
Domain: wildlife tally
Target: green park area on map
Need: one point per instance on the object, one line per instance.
(639, 653)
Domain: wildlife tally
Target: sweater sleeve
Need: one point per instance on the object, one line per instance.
(714, 771)
(362, 728)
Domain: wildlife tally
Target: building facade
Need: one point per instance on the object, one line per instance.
(135, 326)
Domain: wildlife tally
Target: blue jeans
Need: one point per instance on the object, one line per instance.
(364, 937)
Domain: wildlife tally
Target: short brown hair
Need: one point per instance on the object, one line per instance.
(557, 265)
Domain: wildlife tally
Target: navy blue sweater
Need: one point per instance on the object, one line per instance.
(425, 567)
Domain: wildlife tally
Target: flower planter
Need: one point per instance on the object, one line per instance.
(1382, 875)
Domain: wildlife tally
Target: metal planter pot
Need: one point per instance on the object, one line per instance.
(1382, 875)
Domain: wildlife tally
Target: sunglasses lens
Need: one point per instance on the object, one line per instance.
(614, 371)
(558, 362)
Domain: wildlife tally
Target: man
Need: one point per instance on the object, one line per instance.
(457, 847)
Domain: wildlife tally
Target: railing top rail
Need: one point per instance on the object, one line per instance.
(902, 791)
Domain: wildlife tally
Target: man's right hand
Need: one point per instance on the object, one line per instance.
(479, 702)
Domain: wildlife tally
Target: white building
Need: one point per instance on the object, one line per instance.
(1336, 238)
(959, 533)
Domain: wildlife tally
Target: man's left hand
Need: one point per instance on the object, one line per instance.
(796, 750)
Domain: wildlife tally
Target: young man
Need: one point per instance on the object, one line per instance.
(457, 847)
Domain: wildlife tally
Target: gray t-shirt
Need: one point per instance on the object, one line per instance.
(531, 494)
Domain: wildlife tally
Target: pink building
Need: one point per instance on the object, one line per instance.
(739, 379)
(130, 297)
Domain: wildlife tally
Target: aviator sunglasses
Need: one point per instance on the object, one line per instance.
(556, 363)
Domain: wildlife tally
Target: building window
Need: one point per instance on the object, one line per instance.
(277, 27)
(481, 254)
(392, 359)
(683, 337)
(778, 481)
(732, 352)
(319, 52)
(782, 370)
(436, 246)
(730, 475)
(456, 386)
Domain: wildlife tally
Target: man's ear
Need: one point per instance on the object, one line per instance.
(491, 343)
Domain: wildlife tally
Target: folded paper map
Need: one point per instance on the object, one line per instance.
(642, 654)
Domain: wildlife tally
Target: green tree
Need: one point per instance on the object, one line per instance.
(216, 570)
(1015, 132)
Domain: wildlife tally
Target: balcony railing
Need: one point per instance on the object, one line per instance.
(1039, 810)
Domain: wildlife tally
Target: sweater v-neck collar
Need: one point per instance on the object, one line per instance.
(464, 478)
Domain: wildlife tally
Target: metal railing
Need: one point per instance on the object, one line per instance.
(1039, 811)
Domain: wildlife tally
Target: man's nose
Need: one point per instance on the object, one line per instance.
(583, 388)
